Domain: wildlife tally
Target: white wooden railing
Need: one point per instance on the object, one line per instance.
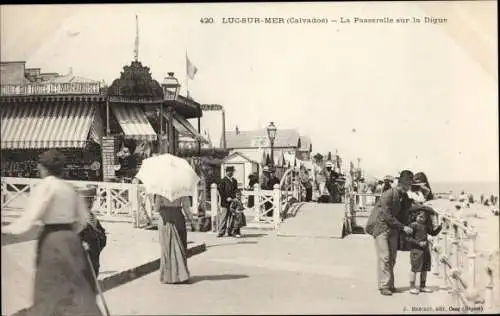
(275, 201)
(470, 275)
(124, 201)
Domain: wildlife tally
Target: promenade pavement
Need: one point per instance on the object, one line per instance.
(265, 273)
(130, 253)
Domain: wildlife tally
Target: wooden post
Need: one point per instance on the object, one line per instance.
(133, 194)
(456, 253)
(490, 287)
(214, 207)
(256, 200)
(277, 206)
(196, 203)
(471, 256)
(446, 252)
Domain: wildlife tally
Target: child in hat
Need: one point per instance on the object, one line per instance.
(420, 254)
(238, 217)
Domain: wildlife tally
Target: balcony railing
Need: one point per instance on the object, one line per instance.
(50, 88)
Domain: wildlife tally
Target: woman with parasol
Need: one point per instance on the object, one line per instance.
(171, 181)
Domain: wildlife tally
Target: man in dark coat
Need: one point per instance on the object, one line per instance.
(389, 223)
(227, 191)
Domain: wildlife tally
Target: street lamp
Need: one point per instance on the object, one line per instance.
(171, 88)
(271, 133)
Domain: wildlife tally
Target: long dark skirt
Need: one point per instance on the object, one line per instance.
(62, 284)
(173, 241)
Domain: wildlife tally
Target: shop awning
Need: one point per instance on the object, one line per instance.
(185, 128)
(46, 125)
(133, 122)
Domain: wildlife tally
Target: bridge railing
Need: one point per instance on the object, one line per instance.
(470, 275)
(121, 200)
(275, 201)
(124, 201)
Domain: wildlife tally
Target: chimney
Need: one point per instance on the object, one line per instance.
(237, 130)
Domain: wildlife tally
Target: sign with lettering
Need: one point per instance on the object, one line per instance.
(51, 88)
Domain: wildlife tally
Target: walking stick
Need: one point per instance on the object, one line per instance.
(94, 276)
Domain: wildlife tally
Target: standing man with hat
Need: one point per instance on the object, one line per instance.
(387, 221)
(227, 191)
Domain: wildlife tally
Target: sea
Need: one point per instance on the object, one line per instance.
(474, 188)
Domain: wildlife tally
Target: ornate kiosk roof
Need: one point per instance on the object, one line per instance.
(135, 85)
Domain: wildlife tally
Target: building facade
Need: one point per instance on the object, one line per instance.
(87, 121)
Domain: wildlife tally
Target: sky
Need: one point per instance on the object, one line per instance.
(417, 96)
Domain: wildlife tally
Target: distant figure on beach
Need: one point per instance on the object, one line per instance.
(482, 198)
(471, 198)
(462, 197)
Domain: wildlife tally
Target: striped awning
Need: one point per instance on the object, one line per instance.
(46, 125)
(185, 128)
(133, 122)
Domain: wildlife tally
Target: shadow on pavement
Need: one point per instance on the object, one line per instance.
(241, 242)
(221, 277)
(253, 235)
(406, 289)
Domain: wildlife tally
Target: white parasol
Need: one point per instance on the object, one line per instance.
(169, 176)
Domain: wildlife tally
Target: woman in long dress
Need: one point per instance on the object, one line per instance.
(173, 239)
(62, 284)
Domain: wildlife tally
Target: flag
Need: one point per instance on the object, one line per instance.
(190, 68)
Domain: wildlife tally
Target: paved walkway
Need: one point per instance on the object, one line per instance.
(270, 274)
(315, 220)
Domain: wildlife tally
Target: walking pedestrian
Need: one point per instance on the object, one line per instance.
(62, 285)
(385, 224)
(227, 190)
(306, 182)
(173, 239)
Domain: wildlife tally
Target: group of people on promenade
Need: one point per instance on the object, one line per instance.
(401, 222)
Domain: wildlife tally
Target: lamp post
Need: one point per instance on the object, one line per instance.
(171, 88)
(271, 133)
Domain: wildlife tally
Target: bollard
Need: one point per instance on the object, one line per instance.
(214, 207)
(277, 205)
(256, 201)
